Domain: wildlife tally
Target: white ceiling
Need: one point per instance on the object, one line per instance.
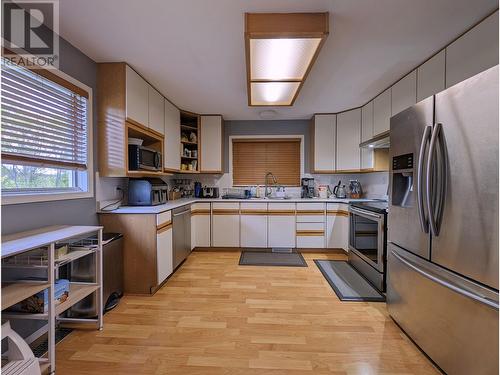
(193, 50)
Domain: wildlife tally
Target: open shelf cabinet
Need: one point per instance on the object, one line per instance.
(190, 142)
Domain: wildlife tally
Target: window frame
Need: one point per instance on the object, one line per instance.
(284, 136)
(83, 177)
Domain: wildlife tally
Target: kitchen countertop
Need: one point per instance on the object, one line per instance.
(185, 201)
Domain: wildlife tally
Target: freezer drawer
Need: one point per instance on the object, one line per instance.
(453, 320)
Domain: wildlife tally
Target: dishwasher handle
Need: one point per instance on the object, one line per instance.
(182, 212)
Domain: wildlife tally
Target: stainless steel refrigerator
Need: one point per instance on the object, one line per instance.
(442, 281)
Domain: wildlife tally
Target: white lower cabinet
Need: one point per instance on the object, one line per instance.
(164, 255)
(310, 231)
(200, 225)
(337, 226)
(226, 224)
(310, 235)
(281, 228)
(253, 224)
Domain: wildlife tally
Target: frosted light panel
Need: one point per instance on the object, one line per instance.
(273, 93)
(281, 59)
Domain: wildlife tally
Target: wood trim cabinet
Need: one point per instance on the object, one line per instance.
(324, 143)
(281, 225)
(473, 52)
(404, 93)
(253, 225)
(200, 225)
(156, 110)
(382, 112)
(172, 143)
(337, 226)
(136, 93)
(226, 224)
(123, 112)
(431, 76)
(147, 248)
(310, 229)
(348, 139)
(211, 144)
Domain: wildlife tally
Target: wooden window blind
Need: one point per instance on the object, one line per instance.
(253, 158)
(44, 123)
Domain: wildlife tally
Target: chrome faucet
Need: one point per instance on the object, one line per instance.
(275, 182)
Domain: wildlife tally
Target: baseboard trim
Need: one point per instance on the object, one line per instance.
(302, 250)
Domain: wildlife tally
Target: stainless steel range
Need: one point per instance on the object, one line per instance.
(368, 240)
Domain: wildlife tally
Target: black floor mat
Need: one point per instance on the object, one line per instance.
(269, 258)
(347, 283)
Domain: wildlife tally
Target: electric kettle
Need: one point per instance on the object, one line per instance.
(340, 191)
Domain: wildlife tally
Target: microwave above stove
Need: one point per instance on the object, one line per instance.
(144, 158)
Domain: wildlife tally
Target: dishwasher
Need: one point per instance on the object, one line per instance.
(182, 234)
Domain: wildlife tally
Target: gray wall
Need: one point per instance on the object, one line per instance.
(267, 127)
(20, 217)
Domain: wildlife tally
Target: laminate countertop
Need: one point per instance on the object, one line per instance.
(170, 205)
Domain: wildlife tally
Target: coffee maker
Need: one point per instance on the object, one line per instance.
(307, 185)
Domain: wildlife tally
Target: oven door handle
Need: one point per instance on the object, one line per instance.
(364, 213)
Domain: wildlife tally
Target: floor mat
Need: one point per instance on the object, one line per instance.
(347, 283)
(269, 258)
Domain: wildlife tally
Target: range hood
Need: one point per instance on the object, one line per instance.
(380, 141)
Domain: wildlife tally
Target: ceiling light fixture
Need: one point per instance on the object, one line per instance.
(280, 51)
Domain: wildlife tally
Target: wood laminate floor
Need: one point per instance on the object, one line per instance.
(215, 317)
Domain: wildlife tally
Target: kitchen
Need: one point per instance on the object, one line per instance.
(251, 194)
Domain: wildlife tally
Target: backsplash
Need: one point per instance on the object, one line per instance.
(374, 184)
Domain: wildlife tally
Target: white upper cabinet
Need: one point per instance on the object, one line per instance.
(172, 142)
(366, 134)
(382, 112)
(156, 110)
(473, 52)
(348, 139)
(324, 143)
(431, 76)
(136, 97)
(211, 144)
(367, 122)
(404, 93)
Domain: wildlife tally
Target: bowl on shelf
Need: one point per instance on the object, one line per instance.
(135, 141)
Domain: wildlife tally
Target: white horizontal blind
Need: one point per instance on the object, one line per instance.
(43, 122)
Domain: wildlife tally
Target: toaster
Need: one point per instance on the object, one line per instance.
(147, 192)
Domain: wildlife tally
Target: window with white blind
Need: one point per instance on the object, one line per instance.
(46, 135)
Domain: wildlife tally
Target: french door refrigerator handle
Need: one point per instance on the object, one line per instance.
(420, 171)
(443, 177)
(428, 186)
(466, 293)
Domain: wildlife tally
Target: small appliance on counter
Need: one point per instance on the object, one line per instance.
(307, 188)
(323, 191)
(147, 192)
(209, 192)
(355, 190)
(143, 158)
(234, 193)
(339, 191)
(197, 189)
